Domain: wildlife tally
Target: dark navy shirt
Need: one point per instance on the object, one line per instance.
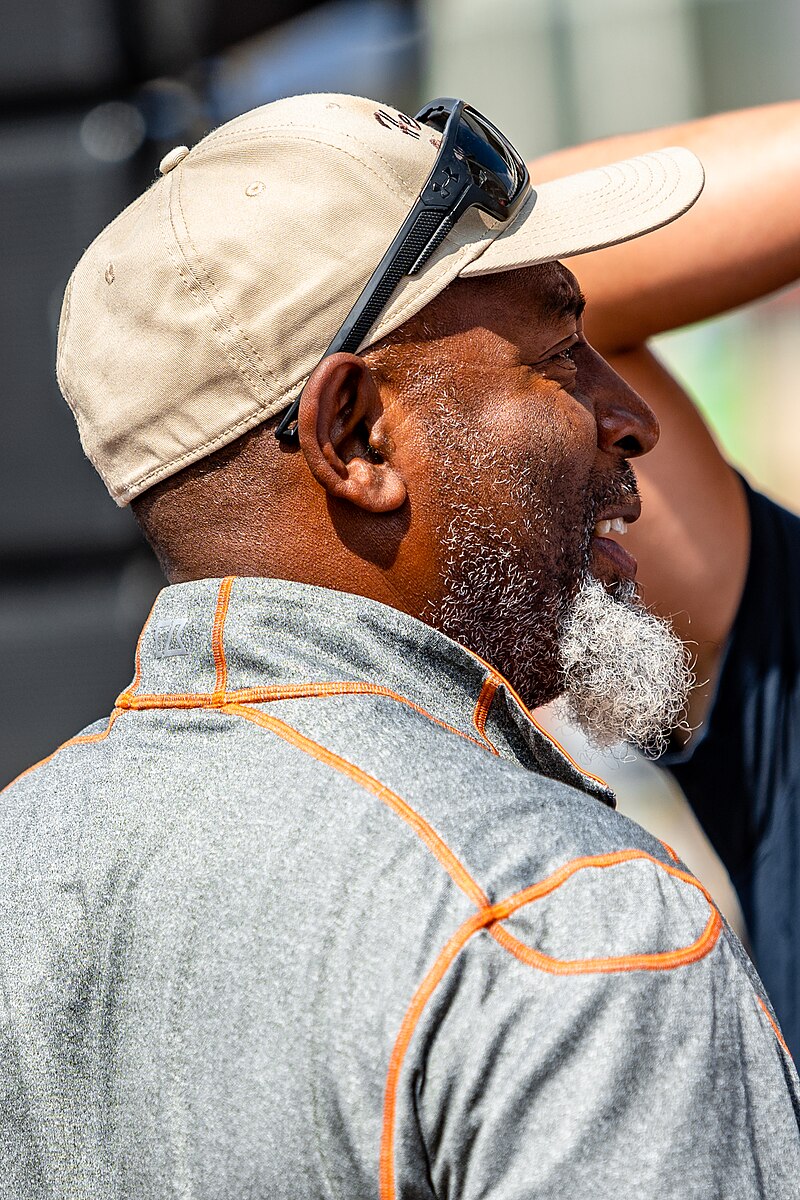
(743, 778)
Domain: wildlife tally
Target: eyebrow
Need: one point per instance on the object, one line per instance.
(566, 301)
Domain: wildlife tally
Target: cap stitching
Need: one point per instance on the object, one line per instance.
(660, 199)
(630, 184)
(246, 369)
(271, 407)
(288, 133)
(212, 289)
(245, 423)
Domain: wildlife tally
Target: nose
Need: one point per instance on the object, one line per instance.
(626, 424)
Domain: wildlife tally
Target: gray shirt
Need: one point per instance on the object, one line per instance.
(320, 912)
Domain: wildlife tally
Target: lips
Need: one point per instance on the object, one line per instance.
(608, 553)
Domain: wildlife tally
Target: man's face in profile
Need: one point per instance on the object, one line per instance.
(528, 436)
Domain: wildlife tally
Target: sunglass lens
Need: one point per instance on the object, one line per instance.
(491, 161)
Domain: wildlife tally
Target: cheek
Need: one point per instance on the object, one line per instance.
(557, 436)
(430, 490)
(521, 456)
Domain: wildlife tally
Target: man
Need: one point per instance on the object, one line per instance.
(320, 910)
(731, 593)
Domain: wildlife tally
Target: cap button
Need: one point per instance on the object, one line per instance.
(172, 159)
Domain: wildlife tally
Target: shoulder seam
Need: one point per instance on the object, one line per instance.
(424, 831)
(82, 739)
(660, 960)
(488, 919)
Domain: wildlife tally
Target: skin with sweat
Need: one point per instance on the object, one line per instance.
(392, 460)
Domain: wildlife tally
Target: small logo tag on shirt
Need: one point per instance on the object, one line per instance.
(168, 637)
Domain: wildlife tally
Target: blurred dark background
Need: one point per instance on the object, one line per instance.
(93, 93)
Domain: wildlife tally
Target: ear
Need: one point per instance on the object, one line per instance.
(341, 431)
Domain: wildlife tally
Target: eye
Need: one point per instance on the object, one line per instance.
(565, 356)
(563, 359)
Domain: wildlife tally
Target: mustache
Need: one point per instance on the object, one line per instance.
(618, 488)
(612, 490)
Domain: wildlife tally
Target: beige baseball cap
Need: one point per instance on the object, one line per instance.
(202, 309)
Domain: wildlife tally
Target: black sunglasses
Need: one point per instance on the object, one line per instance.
(476, 167)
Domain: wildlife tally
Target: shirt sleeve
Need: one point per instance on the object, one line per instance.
(742, 775)
(644, 1067)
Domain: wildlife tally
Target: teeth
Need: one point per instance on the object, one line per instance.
(618, 525)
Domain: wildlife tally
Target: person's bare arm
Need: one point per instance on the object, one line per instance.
(693, 538)
(739, 242)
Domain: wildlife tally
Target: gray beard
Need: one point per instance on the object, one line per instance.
(622, 674)
(626, 676)
(546, 623)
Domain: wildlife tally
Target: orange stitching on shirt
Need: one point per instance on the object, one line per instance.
(220, 697)
(775, 1028)
(487, 918)
(501, 679)
(423, 830)
(670, 851)
(657, 961)
(272, 692)
(482, 706)
(137, 676)
(661, 960)
(81, 740)
(407, 1028)
(217, 643)
(612, 859)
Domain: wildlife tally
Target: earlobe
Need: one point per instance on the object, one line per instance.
(339, 421)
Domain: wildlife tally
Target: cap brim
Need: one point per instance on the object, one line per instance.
(594, 209)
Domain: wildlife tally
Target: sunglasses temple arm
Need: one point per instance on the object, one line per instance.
(360, 319)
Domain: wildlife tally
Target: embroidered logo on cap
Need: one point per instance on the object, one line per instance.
(168, 638)
(402, 122)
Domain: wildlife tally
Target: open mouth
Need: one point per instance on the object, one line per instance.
(606, 550)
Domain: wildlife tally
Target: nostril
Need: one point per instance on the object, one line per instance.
(630, 445)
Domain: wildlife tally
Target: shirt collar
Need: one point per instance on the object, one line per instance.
(212, 641)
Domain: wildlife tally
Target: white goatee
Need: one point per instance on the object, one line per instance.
(626, 676)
